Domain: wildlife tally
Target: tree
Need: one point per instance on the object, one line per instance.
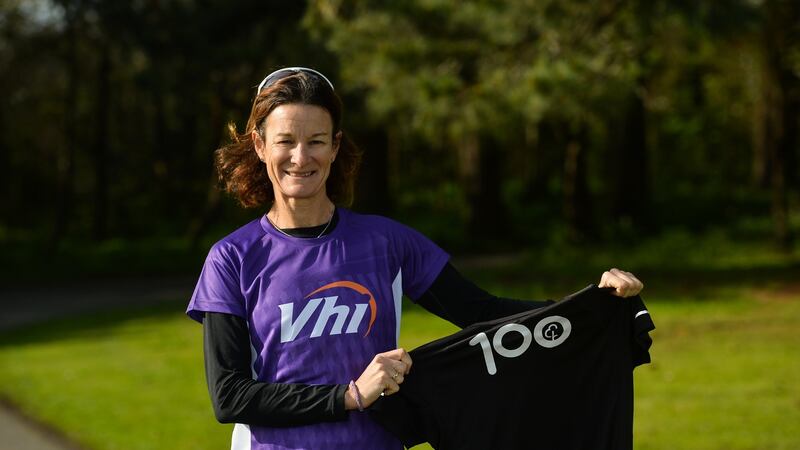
(464, 75)
(781, 44)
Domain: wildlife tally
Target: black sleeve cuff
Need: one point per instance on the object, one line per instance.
(339, 409)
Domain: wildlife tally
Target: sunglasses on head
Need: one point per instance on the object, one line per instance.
(270, 79)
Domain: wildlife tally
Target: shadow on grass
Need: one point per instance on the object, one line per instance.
(665, 283)
(676, 267)
(95, 325)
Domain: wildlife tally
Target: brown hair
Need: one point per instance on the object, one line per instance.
(245, 177)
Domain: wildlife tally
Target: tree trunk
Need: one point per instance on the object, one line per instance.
(372, 188)
(761, 155)
(481, 167)
(492, 214)
(66, 155)
(781, 127)
(548, 134)
(188, 140)
(200, 224)
(577, 199)
(6, 202)
(629, 170)
(100, 151)
(394, 163)
(161, 145)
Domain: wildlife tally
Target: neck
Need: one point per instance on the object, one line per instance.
(299, 213)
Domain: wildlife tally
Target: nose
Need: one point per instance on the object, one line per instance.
(300, 155)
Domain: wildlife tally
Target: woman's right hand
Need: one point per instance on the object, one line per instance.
(384, 374)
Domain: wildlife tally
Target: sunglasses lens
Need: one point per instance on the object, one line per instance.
(287, 71)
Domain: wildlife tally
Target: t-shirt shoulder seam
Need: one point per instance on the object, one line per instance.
(242, 235)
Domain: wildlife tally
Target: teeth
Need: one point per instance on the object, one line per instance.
(300, 174)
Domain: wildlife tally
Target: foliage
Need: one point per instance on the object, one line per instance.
(586, 116)
(532, 75)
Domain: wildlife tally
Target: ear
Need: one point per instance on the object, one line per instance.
(337, 140)
(258, 143)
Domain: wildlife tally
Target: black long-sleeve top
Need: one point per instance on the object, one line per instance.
(236, 397)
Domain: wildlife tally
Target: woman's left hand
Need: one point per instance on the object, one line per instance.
(626, 284)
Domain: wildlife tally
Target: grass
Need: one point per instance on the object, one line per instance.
(725, 371)
(130, 380)
(724, 376)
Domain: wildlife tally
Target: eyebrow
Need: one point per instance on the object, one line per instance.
(321, 133)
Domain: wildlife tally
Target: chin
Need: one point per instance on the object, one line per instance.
(301, 193)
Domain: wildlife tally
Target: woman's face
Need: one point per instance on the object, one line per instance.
(298, 148)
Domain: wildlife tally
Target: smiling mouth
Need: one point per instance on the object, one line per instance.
(300, 174)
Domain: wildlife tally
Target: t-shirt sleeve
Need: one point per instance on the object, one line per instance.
(422, 260)
(217, 289)
(642, 325)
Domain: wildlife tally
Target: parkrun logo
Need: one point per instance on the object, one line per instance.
(549, 332)
(291, 327)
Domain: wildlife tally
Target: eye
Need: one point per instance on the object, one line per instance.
(317, 142)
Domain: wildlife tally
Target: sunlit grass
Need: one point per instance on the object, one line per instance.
(114, 383)
(724, 376)
(726, 357)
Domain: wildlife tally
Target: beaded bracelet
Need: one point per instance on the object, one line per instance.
(357, 395)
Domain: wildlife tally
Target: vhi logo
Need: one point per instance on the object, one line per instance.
(291, 327)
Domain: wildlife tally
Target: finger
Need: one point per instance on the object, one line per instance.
(625, 282)
(398, 378)
(389, 367)
(605, 279)
(398, 367)
(629, 282)
(637, 285)
(406, 358)
(387, 372)
(634, 286)
(637, 282)
(396, 354)
(626, 275)
(609, 279)
(401, 356)
(390, 387)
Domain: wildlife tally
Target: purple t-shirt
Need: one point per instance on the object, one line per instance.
(318, 311)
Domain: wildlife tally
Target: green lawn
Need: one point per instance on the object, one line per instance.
(725, 371)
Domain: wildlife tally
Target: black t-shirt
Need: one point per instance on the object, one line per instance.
(559, 377)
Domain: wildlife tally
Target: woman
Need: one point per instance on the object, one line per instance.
(301, 307)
